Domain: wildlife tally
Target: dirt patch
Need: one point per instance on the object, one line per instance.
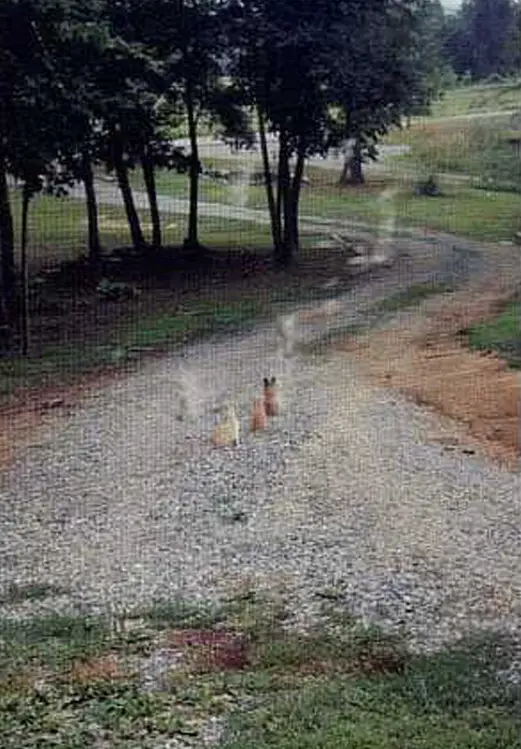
(105, 668)
(426, 359)
(208, 650)
(31, 413)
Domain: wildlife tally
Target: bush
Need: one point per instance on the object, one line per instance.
(428, 188)
(116, 290)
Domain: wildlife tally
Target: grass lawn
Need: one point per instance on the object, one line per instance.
(71, 682)
(75, 330)
(58, 231)
(462, 210)
(177, 185)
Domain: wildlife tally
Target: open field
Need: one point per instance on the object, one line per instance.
(477, 150)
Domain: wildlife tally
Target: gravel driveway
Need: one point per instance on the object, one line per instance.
(124, 503)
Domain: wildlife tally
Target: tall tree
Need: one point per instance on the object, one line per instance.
(397, 80)
(316, 74)
(84, 37)
(187, 37)
(33, 128)
(281, 58)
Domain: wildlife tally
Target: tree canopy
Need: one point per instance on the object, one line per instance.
(100, 83)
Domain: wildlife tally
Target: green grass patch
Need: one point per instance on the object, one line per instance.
(67, 629)
(198, 319)
(50, 641)
(452, 699)
(412, 296)
(180, 613)
(462, 211)
(479, 149)
(501, 335)
(124, 341)
(58, 229)
(177, 185)
(342, 684)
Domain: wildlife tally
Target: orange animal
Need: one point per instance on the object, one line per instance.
(259, 418)
(271, 400)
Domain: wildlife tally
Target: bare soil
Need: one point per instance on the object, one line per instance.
(425, 357)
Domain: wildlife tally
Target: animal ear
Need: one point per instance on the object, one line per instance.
(273, 381)
(266, 382)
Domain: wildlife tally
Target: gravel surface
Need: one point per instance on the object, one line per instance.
(348, 489)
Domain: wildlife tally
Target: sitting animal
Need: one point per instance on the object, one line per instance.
(271, 396)
(259, 417)
(226, 431)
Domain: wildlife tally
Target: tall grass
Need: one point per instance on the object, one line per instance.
(479, 149)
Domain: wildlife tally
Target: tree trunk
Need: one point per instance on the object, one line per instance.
(24, 317)
(138, 241)
(291, 206)
(94, 243)
(355, 165)
(283, 253)
(344, 177)
(268, 181)
(192, 240)
(290, 243)
(150, 183)
(282, 176)
(292, 219)
(8, 270)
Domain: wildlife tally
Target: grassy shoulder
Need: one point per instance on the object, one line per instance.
(75, 681)
(501, 335)
(459, 210)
